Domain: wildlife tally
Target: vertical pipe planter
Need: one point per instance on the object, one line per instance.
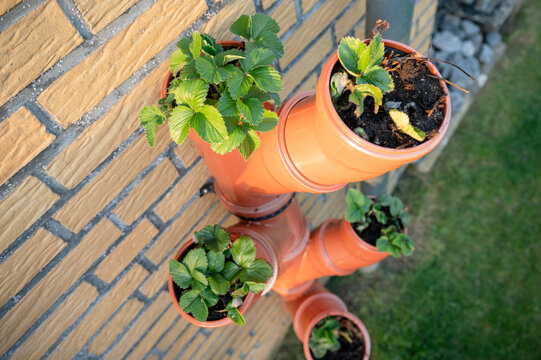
(311, 150)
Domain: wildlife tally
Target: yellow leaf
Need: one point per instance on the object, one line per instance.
(402, 122)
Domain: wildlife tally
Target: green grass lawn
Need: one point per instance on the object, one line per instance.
(472, 288)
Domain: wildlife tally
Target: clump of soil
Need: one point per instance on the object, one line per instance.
(372, 233)
(418, 95)
(347, 351)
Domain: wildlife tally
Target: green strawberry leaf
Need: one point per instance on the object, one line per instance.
(212, 73)
(239, 84)
(353, 215)
(184, 46)
(199, 279)
(227, 105)
(195, 259)
(179, 274)
(230, 271)
(218, 284)
(151, 114)
(209, 124)
(195, 45)
(255, 287)
(242, 27)
(251, 109)
(210, 46)
(377, 76)
(250, 144)
(262, 23)
(179, 123)
(209, 297)
(268, 40)
(233, 140)
(235, 315)
(216, 261)
(349, 52)
(363, 90)
(269, 122)
(257, 57)
(383, 244)
(214, 238)
(192, 302)
(381, 217)
(376, 50)
(243, 251)
(191, 93)
(267, 78)
(150, 132)
(178, 59)
(227, 56)
(188, 72)
(257, 271)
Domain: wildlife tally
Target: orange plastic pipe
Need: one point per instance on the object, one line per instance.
(313, 306)
(334, 248)
(311, 150)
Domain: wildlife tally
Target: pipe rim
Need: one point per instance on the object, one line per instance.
(324, 98)
(284, 111)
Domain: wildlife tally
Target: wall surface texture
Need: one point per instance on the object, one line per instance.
(89, 213)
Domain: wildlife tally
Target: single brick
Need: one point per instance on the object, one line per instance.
(23, 137)
(267, 3)
(218, 26)
(31, 307)
(310, 59)
(104, 70)
(62, 318)
(100, 139)
(33, 45)
(168, 339)
(98, 14)
(285, 15)
(360, 30)
(349, 19)
(7, 5)
(183, 191)
(27, 261)
(153, 335)
(308, 31)
(109, 333)
(146, 192)
(179, 229)
(140, 327)
(307, 5)
(230, 220)
(22, 207)
(180, 344)
(110, 182)
(124, 253)
(99, 314)
(187, 152)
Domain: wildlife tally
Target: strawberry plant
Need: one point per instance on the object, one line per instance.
(220, 92)
(218, 268)
(362, 74)
(387, 213)
(325, 336)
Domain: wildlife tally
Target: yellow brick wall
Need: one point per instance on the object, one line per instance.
(89, 213)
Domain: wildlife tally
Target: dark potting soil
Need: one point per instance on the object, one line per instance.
(372, 233)
(347, 351)
(420, 96)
